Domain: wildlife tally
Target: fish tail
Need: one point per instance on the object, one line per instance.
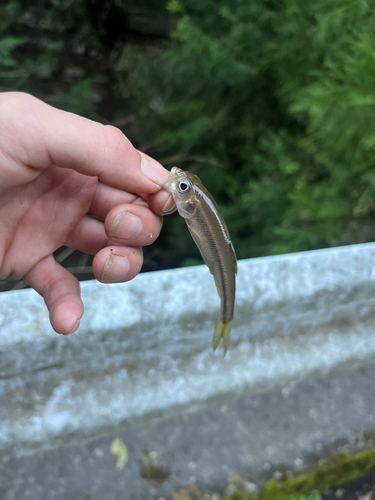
(222, 331)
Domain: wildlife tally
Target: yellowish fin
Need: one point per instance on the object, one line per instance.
(222, 331)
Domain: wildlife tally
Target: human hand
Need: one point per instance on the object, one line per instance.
(65, 180)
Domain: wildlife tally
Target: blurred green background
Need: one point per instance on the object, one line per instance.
(270, 102)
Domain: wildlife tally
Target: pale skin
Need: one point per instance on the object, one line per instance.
(66, 180)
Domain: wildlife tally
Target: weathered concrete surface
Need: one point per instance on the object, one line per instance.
(143, 348)
(281, 430)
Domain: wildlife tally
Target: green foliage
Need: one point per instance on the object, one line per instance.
(314, 496)
(240, 495)
(281, 95)
(174, 6)
(66, 52)
(7, 45)
(79, 96)
(27, 66)
(272, 99)
(8, 14)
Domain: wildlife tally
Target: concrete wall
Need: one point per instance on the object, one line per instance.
(143, 350)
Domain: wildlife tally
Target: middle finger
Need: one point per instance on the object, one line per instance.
(134, 225)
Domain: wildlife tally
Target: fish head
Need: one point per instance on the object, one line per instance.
(181, 185)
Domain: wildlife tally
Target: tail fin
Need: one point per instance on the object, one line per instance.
(222, 331)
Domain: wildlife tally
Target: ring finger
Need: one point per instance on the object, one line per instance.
(117, 264)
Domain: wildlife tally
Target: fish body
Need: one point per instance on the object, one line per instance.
(209, 231)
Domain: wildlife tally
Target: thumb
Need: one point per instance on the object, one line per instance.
(35, 136)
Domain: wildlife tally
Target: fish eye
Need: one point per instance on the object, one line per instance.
(184, 186)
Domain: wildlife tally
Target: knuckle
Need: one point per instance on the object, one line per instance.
(18, 99)
(115, 139)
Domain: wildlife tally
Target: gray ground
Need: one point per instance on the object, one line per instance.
(281, 430)
(296, 384)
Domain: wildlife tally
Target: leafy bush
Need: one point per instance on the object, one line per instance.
(314, 496)
(33, 63)
(279, 97)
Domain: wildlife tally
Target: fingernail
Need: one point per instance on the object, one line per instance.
(169, 207)
(126, 226)
(154, 171)
(116, 268)
(75, 328)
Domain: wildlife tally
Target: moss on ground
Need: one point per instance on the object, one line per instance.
(330, 473)
(334, 471)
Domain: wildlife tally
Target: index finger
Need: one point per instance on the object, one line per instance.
(40, 136)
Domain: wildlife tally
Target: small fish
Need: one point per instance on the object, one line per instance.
(209, 231)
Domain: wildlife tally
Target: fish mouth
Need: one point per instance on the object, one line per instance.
(175, 173)
(176, 170)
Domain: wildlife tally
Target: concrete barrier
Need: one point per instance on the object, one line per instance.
(143, 350)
